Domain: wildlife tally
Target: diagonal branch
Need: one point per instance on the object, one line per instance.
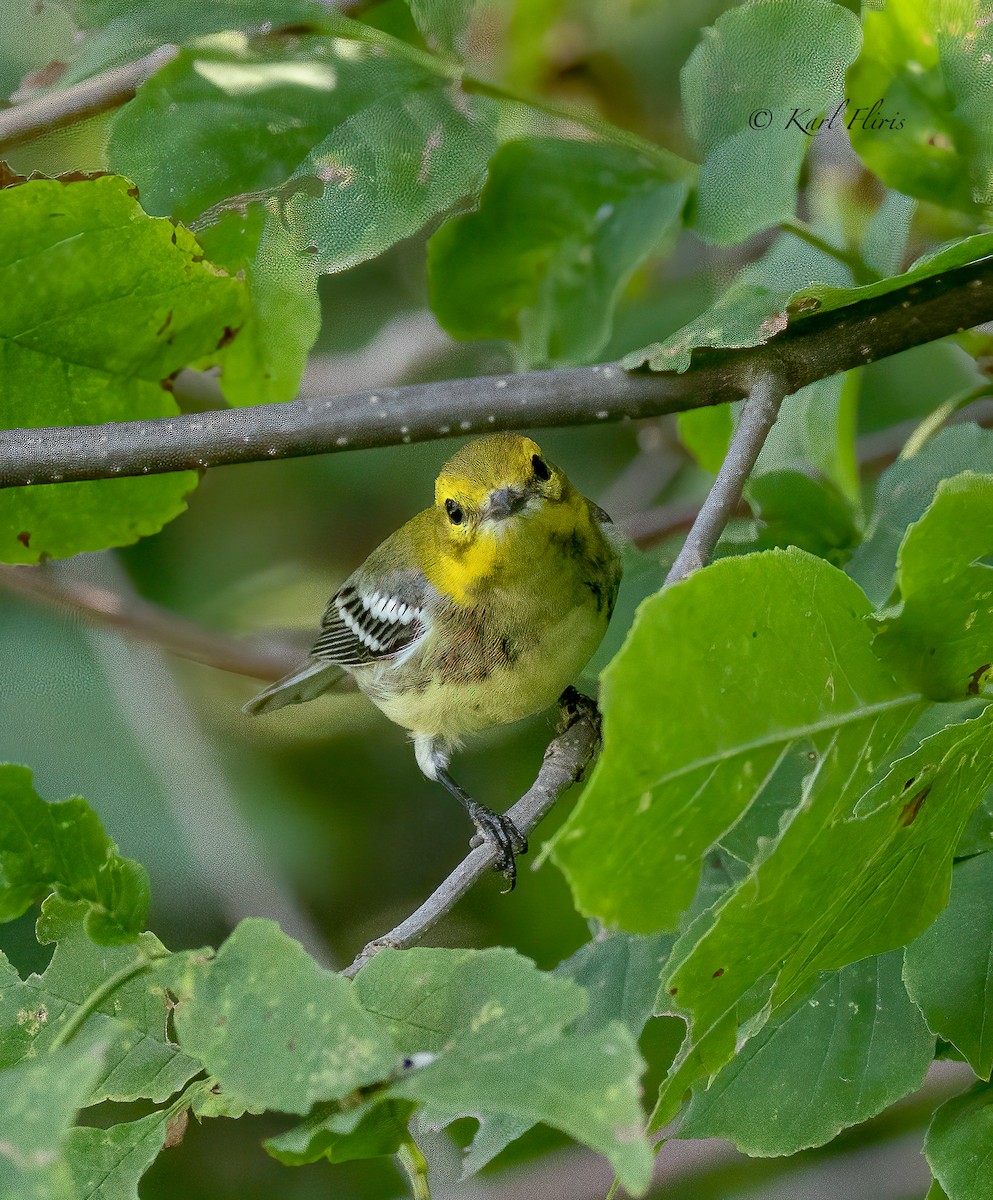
(140, 619)
(809, 349)
(757, 417)
(567, 759)
(65, 106)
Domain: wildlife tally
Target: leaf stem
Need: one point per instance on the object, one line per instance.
(934, 421)
(861, 271)
(100, 994)
(416, 1167)
(673, 164)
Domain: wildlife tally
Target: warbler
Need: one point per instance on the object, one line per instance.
(475, 613)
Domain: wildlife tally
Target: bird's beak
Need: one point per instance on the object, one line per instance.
(503, 503)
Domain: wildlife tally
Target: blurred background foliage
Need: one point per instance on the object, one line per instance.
(317, 816)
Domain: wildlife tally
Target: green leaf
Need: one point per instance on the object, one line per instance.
(904, 492)
(948, 968)
(774, 648)
(443, 23)
(31, 36)
(106, 1164)
(379, 187)
(884, 242)
(265, 362)
(491, 1029)
(793, 281)
(560, 227)
(751, 310)
(123, 30)
(276, 1030)
(959, 1145)
(101, 304)
(941, 632)
(374, 1129)
(826, 1061)
(706, 433)
(293, 158)
(825, 298)
(38, 1103)
(225, 125)
(836, 886)
(139, 1058)
(62, 847)
(796, 509)
(762, 73)
(816, 429)
(620, 973)
(929, 135)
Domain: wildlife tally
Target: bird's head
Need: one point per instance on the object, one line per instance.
(488, 486)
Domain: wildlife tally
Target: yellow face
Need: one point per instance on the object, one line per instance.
(489, 485)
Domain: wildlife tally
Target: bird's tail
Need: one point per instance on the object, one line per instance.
(308, 681)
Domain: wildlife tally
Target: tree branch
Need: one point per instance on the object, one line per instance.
(147, 622)
(24, 121)
(757, 417)
(809, 349)
(566, 760)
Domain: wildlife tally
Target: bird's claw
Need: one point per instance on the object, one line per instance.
(503, 835)
(574, 706)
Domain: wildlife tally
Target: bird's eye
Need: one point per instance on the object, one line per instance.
(455, 513)
(541, 470)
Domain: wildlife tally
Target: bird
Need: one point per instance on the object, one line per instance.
(478, 612)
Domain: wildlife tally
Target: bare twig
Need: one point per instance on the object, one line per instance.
(813, 348)
(566, 760)
(757, 418)
(112, 88)
(147, 622)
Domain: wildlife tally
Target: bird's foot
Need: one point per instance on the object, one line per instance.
(574, 706)
(503, 835)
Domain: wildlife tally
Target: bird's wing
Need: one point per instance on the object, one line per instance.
(373, 621)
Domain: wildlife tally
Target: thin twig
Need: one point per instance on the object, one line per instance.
(110, 89)
(815, 347)
(147, 622)
(757, 417)
(566, 760)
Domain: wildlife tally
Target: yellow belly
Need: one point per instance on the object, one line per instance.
(548, 662)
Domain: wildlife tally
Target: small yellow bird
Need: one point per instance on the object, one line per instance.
(479, 611)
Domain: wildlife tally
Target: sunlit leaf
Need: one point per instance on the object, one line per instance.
(941, 631)
(774, 649)
(491, 1029)
(926, 131)
(101, 304)
(904, 492)
(834, 887)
